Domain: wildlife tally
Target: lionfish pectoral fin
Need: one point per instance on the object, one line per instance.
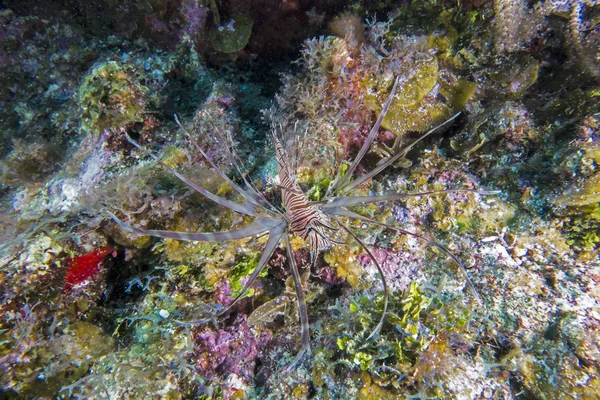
(349, 214)
(275, 235)
(302, 309)
(252, 191)
(242, 208)
(259, 225)
(381, 273)
(349, 186)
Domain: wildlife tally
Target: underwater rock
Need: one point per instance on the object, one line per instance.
(231, 351)
(578, 16)
(423, 101)
(29, 163)
(233, 37)
(588, 194)
(167, 23)
(578, 203)
(514, 25)
(510, 124)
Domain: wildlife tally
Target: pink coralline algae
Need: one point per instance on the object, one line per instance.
(329, 275)
(222, 293)
(194, 16)
(400, 269)
(231, 350)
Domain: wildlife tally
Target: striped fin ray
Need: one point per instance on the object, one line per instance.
(275, 235)
(242, 208)
(251, 195)
(287, 175)
(302, 308)
(344, 201)
(351, 185)
(291, 136)
(258, 226)
(339, 184)
(237, 163)
(350, 214)
(345, 184)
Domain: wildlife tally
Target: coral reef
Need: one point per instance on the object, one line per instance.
(582, 36)
(88, 310)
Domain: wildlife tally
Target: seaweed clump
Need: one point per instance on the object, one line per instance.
(419, 350)
(110, 98)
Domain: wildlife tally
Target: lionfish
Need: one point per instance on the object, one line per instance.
(313, 221)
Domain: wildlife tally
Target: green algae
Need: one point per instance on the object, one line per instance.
(580, 205)
(469, 216)
(417, 106)
(83, 340)
(241, 269)
(526, 75)
(548, 361)
(587, 195)
(344, 259)
(415, 337)
(110, 98)
(583, 228)
(61, 359)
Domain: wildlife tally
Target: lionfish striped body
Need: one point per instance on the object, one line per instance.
(305, 220)
(309, 220)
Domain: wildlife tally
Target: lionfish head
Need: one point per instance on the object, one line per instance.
(317, 232)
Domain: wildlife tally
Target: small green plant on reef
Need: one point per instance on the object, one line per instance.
(417, 320)
(243, 268)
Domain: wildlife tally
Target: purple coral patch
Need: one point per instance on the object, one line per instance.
(231, 350)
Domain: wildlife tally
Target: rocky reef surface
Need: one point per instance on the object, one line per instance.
(89, 310)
